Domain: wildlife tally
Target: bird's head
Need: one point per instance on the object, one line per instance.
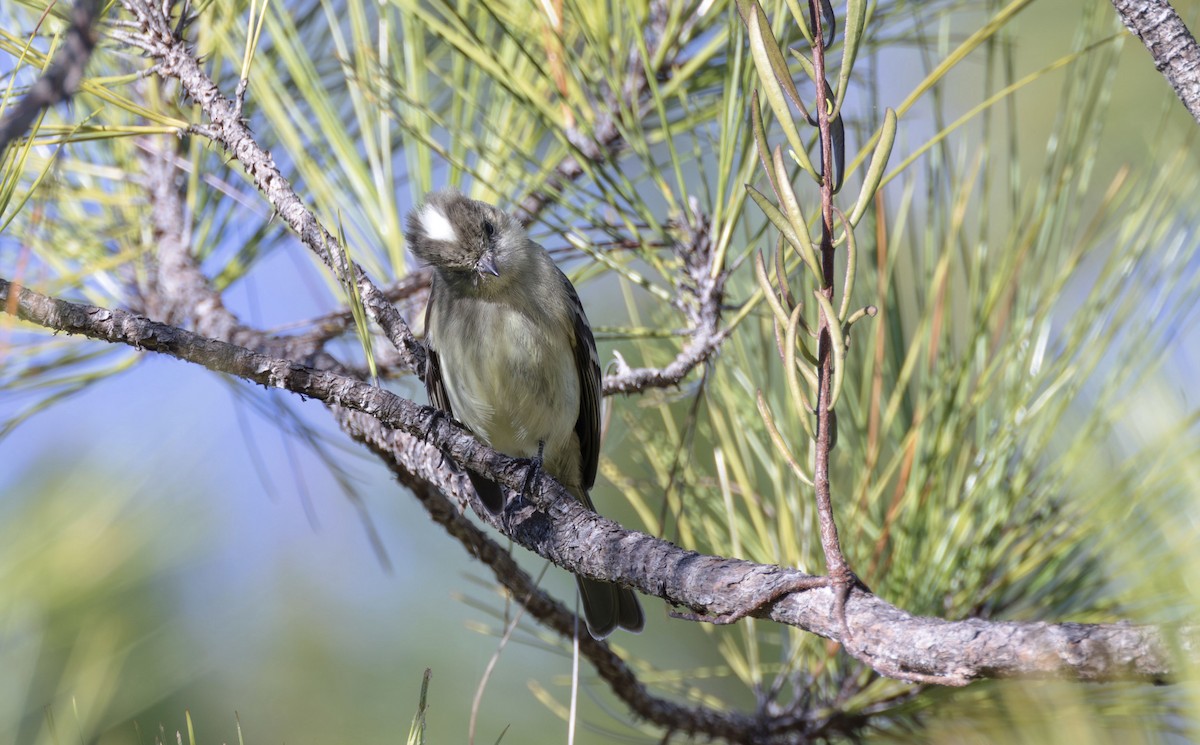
(464, 239)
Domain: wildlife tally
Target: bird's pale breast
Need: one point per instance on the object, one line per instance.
(516, 383)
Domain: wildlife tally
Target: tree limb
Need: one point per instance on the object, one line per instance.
(175, 60)
(558, 528)
(1171, 46)
(395, 448)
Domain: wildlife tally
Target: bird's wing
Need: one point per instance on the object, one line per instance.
(489, 492)
(434, 385)
(587, 364)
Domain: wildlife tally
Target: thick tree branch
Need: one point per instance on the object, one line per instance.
(177, 291)
(397, 449)
(1171, 45)
(558, 528)
(181, 292)
(159, 39)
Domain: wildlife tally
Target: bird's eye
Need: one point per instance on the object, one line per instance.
(489, 228)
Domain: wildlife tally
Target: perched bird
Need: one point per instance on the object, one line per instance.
(511, 357)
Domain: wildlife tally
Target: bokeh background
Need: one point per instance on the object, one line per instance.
(173, 541)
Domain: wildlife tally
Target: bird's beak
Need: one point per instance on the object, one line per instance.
(487, 264)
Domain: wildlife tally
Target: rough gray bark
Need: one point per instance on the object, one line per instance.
(158, 38)
(1171, 45)
(407, 437)
(560, 529)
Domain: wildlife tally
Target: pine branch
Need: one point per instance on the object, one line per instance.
(161, 40)
(1170, 43)
(62, 79)
(558, 528)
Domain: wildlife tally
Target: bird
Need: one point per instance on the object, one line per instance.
(512, 358)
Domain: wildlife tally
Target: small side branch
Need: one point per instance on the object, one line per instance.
(700, 298)
(61, 81)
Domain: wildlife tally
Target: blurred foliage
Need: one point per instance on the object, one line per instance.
(89, 632)
(1011, 440)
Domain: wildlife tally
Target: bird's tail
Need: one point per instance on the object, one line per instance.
(607, 607)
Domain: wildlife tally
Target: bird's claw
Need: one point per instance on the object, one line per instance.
(533, 475)
(433, 420)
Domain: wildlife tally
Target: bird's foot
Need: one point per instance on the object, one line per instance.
(438, 414)
(533, 476)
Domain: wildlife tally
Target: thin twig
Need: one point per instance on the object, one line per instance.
(701, 300)
(835, 561)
